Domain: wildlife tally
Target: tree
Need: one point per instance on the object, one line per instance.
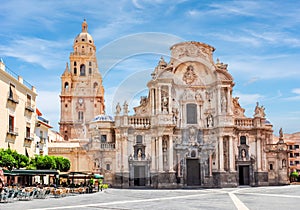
(62, 164)
(45, 162)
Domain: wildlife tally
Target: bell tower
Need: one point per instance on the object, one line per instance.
(82, 92)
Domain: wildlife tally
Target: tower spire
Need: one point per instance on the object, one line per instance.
(84, 26)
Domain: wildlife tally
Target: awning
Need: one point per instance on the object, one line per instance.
(98, 176)
(24, 172)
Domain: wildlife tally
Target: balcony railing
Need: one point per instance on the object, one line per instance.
(42, 140)
(139, 122)
(244, 122)
(43, 120)
(29, 136)
(108, 146)
(13, 131)
(13, 99)
(29, 107)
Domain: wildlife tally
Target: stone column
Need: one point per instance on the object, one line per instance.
(160, 154)
(170, 100)
(159, 101)
(221, 154)
(152, 101)
(231, 155)
(153, 146)
(125, 155)
(178, 165)
(219, 100)
(229, 110)
(171, 154)
(210, 165)
(258, 154)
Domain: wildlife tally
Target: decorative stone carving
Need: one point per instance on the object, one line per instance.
(118, 109)
(237, 109)
(189, 76)
(223, 103)
(125, 108)
(192, 49)
(210, 121)
(221, 65)
(259, 111)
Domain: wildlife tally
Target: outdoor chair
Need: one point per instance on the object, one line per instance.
(7, 196)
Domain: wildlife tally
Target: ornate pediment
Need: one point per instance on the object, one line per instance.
(192, 49)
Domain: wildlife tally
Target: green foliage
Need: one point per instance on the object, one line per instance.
(294, 174)
(45, 162)
(62, 164)
(11, 159)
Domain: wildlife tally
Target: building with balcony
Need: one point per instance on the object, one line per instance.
(188, 131)
(293, 142)
(17, 112)
(42, 128)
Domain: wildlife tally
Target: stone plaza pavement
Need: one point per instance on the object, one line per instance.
(242, 198)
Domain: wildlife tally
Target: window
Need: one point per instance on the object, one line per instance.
(90, 70)
(11, 124)
(291, 147)
(243, 140)
(75, 64)
(90, 63)
(28, 104)
(296, 146)
(108, 166)
(27, 132)
(75, 71)
(291, 155)
(95, 85)
(66, 85)
(103, 138)
(271, 166)
(80, 116)
(82, 70)
(191, 113)
(139, 139)
(13, 94)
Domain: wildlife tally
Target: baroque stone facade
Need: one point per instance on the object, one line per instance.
(189, 131)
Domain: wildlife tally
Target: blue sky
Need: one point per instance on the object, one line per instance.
(259, 40)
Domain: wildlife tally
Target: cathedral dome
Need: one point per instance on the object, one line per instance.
(103, 117)
(84, 36)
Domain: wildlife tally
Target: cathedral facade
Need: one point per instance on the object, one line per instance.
(189, 131)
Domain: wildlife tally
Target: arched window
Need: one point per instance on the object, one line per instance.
(191, 114)
(75, 64)
(66, 137)
(82, 70)
(66, 86)
(95, 85)
(243, 140)
(139, 139)
(75, 71)
(193, 153)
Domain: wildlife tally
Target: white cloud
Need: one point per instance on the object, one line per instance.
(48, 102)
(296, 90)
(37, 51)
(247, 99)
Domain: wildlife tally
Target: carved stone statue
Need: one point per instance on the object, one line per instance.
(125, 107)
(223, 104)
(259, 111)
(164, 102)
(118, 109)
